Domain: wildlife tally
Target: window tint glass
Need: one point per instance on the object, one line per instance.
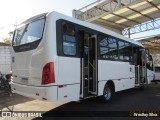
(69, 39)
(108, 48)
(29, 33)
(18, 35)
(125, 51)
(69, 45)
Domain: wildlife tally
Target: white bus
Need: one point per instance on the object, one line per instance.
(60, 58)
(157, 73)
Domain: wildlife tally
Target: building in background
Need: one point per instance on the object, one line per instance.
(5, 58)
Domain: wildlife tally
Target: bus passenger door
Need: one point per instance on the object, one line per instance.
(140, 67)
(88, 48)
(92, 65)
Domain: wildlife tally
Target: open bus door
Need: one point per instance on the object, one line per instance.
(92, 65)
(140, 68)
(89, 67)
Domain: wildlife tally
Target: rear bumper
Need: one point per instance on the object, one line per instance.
(41, 93)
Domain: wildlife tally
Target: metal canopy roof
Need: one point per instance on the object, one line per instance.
(122, 15)
(151, 42)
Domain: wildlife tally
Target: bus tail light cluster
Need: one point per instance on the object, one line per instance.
(48, 75)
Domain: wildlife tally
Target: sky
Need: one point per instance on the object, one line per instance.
(16, 11)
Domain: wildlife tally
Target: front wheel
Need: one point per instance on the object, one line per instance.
(107, 93)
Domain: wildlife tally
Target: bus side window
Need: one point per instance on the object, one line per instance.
(108, 48)
(69, 39)
(125, 51)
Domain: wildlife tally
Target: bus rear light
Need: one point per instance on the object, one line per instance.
(37, 94)
(48, 74)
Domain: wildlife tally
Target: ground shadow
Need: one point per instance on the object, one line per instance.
(7, 101)
(121, 105)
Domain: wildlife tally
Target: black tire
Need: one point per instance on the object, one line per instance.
(107, 94)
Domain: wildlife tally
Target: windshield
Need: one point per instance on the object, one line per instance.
(29, 33)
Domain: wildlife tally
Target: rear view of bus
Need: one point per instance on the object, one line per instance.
(33, 67)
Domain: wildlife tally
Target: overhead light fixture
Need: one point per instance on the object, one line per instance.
(134, 16)
(137, 5)
(108, 16)
(121, 21)
(149, 10)
(159, 6)
(121, 11)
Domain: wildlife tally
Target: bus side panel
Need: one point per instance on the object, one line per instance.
(68, 79)
(119, 72)
(69, 70)
(150, 75)
(68, 93)
(130, 81)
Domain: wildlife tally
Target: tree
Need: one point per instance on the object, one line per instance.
(7, 41)
(11, 34)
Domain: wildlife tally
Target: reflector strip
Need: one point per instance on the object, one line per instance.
(60, 86)
(44, 98)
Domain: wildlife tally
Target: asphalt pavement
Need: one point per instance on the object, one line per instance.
(125, 104)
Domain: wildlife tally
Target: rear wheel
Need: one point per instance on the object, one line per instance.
(107, 93)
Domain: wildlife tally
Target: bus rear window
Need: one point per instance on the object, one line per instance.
(29, 34)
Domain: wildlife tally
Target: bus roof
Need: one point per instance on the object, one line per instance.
(94, 27)
(86, 24)
(33, 18)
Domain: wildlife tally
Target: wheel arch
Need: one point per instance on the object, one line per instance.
(102, 84)
(111, 84)
(108, 91)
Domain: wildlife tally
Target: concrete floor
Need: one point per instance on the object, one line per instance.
(20, 103)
